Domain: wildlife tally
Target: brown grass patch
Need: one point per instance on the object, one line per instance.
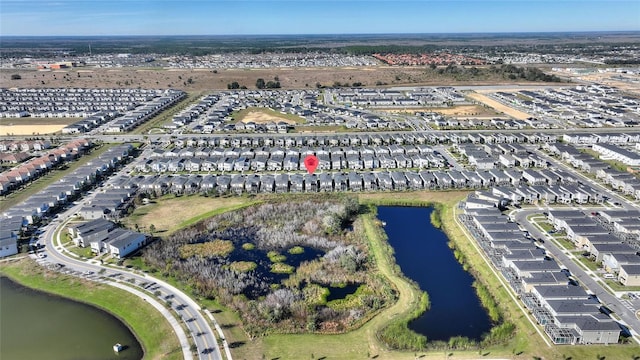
(215, 248)
(206, 79)
(167, 214)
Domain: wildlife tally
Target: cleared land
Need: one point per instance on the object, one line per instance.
(264, 115)
(33, 126)
(150, 327)
(455, 111)
(498, 106)
(206, 79)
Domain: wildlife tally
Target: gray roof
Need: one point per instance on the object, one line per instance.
(561, 292)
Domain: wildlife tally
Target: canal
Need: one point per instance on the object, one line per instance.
(37, 325)
(422, 253)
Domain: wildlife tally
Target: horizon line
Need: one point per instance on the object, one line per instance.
(342, 34)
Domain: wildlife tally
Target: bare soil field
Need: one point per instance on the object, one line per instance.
(498, 106)
(263, 118)
(33, 126)
(455, 111)
(29, 129)
(264, 115)
(207, 79)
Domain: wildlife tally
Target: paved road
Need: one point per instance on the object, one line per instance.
(567, 260)
(188, 311)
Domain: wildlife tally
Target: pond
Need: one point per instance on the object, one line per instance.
(37, 325)
(422, 253)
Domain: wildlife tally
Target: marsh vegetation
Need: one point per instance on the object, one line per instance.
(284, 266)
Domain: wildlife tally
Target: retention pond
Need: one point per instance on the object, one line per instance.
(37, 325)
(422, 253)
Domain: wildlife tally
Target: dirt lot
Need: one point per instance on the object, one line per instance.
(33, 126)
(205, 79)
(263, 118)
(29, 129)
(499, 107)
(456, 111)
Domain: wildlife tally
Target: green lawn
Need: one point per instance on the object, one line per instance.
(590, 264)
(150, 327)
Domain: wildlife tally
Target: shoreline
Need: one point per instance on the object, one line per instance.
(115, 302)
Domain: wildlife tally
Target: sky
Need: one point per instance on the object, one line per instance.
(268, 17)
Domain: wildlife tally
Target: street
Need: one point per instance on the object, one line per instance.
(186, 309)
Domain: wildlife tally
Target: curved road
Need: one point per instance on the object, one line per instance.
(187, 310)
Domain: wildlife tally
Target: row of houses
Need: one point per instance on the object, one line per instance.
(48, 201)
(621, 181)
(70, 102)
(487, 156)
(600, 138)
(567, 312)
(292, 159)
(24, 145)
(508, 184)
(33, 169)
(611, 237)
(400, 138)
(91, 122)
(562, 192)
(579, 105)
(617, 153)
(104, 236)
(111, 204)
(145, 112)
(435, 96)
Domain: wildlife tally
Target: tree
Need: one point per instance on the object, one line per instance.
(16, 77)
(260, 84)
(233, 86)
(273, 85)
(152, 229)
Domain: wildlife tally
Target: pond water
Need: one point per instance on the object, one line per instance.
(341, 292)
(422, 253)
(37, 325)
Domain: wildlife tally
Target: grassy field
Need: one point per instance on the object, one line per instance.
(33, 187)
(290, 78)
(171, 213)
(150, 327)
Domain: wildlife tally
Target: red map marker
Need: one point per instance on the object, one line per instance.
(311, 163)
